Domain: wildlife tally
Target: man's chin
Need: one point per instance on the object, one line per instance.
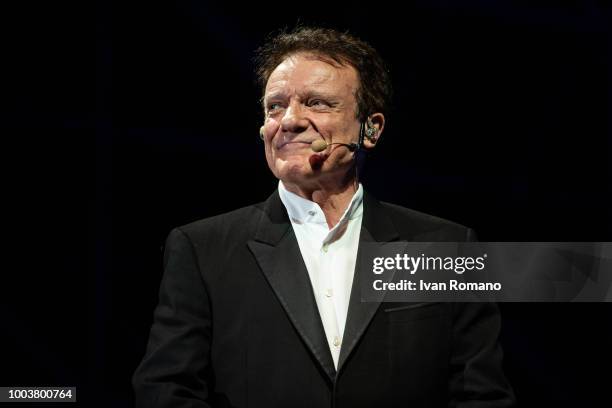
(299, 173)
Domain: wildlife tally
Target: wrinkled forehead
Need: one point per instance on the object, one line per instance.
(304, 71)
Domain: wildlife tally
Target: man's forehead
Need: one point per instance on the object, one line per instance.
(310, 71)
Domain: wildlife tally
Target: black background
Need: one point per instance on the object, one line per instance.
(126, 120)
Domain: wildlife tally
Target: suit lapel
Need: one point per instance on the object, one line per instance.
(375, 227)
(276, 250)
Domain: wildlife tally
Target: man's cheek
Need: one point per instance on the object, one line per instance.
(316, 161)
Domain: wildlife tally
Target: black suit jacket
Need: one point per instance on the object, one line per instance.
(237, 325)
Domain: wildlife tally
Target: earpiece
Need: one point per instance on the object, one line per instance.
(370, 131)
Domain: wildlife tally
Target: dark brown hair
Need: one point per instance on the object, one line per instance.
(375, 90)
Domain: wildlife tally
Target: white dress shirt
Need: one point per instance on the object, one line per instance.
(329, 255)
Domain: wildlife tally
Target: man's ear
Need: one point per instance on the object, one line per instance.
(376, 122)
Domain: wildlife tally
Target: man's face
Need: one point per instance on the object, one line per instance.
(307, 99)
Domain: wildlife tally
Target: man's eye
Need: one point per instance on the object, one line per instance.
(318, 103)
(274, 106)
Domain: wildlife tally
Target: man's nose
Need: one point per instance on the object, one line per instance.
(294, 121)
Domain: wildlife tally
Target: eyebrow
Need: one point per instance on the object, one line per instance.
(274, 95)
(306, 95)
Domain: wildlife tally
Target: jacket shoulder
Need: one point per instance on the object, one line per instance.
(234, 224)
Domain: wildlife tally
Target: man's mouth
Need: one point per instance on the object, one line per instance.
(294, 144)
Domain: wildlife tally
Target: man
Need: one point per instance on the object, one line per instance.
(261, 307)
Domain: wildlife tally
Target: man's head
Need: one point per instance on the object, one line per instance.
(319, 84)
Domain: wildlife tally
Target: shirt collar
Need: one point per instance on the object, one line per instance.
(302, 211)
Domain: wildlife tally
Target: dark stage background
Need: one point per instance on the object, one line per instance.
(501, 122)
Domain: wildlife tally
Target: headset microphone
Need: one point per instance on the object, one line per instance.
(319, 145)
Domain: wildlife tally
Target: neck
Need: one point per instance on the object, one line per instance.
(333, 197)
